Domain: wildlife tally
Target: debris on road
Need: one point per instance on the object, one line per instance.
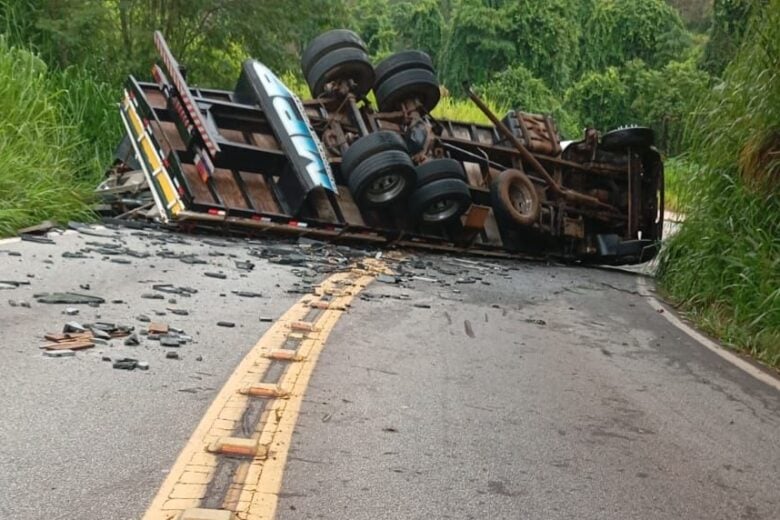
(157, 328)
(247, 294)
(69, 298)
(59, 353)
(69, 341)
(125, 364)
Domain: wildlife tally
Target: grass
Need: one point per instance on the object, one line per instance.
(54, 131)
(723, 266)
(676, 171)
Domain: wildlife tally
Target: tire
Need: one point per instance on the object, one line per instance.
(408, 84)
(369, 145)
(514, 199)
(437, 169)
(402, 61)
(327, 42)
(440, 201)
(636, 137)
(382, 179)
(345, 64)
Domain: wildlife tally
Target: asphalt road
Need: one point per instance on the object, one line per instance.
(524, 391)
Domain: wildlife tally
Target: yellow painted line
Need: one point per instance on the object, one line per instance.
(254, 496)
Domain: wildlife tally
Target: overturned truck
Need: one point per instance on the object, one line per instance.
(339, 167)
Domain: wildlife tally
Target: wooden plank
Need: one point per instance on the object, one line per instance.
(69, 345)
(200, 192)
(66, 336)
(348, 208)
(259, 192)
(155, 98)
(228, 190)
(265, 140)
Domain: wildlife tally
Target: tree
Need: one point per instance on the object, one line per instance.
(601, 99)
(621, 30)
(517, 88)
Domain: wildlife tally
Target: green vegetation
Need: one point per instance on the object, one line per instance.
(48, 158)
(723, 267)
(699, 72)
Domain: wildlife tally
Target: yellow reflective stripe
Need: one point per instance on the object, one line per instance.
(164, 181)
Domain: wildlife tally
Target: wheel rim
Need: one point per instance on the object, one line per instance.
(521, 200)
(385, 188)
(440, 210)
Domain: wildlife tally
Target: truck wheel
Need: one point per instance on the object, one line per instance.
(402, 61)
(514, 198)
(342, 64)
(437, 169)
(327, 42)
(635, 137)
(417, 83)
(369, 145)
(440, 201)
(382, 179)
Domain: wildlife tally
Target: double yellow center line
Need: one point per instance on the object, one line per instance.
(257, 460)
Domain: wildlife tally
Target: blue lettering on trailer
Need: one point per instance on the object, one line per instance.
(290, 111)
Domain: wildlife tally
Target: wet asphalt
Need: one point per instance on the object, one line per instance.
(462, 388)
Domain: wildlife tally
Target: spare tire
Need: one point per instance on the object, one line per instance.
(382, 179)
(327, 42)
(402, 61)
(405, 85)
(440, 202)
(369, 145)
(634, 137)
(438, 169)
(342, 64)
(514, 199)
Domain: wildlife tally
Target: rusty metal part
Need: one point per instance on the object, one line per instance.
(570, 195)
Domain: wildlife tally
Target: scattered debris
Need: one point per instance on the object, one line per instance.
(172, 289)
(244, 266)
(228, 324)
(157, 328)
(59, 353)
(70, 311)
(38, 229)
(69, 341)
(132, 340)
(12, 284)
(73, 326)
(172, 355)
(125, 364)
(68, 297)
(247, 294)
(35, 238)
(221, 276)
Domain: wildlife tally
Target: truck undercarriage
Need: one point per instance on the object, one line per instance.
(339, 167)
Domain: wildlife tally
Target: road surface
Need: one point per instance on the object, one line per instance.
(469, 389)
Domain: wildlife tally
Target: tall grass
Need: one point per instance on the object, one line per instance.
(723, 267)
(50, 152)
